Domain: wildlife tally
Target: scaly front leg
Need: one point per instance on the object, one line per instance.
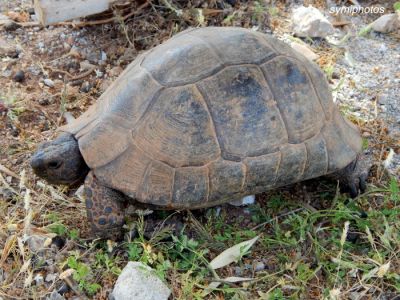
(105, 208)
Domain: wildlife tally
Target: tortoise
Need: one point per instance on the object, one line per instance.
(209, 116)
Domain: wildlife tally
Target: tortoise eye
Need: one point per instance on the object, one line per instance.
(54, 164)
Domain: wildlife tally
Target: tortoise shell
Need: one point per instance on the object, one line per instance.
(212, 115)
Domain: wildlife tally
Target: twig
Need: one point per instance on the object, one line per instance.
(8, 172)
(84, 74)
(72, 285)
(340, 23)
(86, 23)
(69, 75)
(104, 21)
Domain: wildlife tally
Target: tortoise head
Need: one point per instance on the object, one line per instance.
(60, 161)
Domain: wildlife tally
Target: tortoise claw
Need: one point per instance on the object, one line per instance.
(353, 190)
(363, 182)
(353, 178)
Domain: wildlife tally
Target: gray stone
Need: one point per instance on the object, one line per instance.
(50, 277)
(247, 200)
(139, 282)
(48, 82)
(383, 49)
(19, 76)
(103, 56)
(259, 266)
(39, 279)
(238, 271)
(11, 26)
(55, 296)
(8, 48)
(387, 23)
(36, 243)
(310, 22)
(34, 70)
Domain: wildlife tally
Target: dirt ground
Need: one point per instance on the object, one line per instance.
(46, 72)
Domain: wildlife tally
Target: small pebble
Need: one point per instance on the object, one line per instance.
(248, 267)
(44, 101)
(50, 277)
(7, 195)
(55, 296)
(67, 46)
(19, 76)
(48, 82)
(11, 26)
(103, 56)
(259, 266)
(238, 271)
(39, 279)
(85, 88)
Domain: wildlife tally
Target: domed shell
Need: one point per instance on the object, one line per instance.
(211, 115)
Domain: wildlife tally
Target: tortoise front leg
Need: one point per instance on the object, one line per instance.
(105, 208)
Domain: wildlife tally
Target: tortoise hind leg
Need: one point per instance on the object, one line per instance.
(105, 208)
(353, 177)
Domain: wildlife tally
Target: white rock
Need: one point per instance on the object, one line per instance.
(387, 23)
(310, 22)
(37, 243)
(8, 48)
(39, 279)
(48, 82)
(304, 50)
(247, 200)
(50, 277)
(139, 282)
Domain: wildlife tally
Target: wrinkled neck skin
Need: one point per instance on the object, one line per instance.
(60, 161)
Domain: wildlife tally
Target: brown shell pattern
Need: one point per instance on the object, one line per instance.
(211, 115)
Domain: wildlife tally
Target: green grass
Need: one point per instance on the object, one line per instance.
(340, 248)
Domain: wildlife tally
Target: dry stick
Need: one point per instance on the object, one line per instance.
(105, 21)
(72, 77)
(340, 23)
(72, 285)
(8, 172)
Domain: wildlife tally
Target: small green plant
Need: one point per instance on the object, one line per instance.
(273, 11)
(365, 30)
(365, 143)
(258, 9)
(104, 261)
(134, 251)
(74, 234)
(56, 225)
(83, 276)
(329, 72)
(394, 190)
(396, 6)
